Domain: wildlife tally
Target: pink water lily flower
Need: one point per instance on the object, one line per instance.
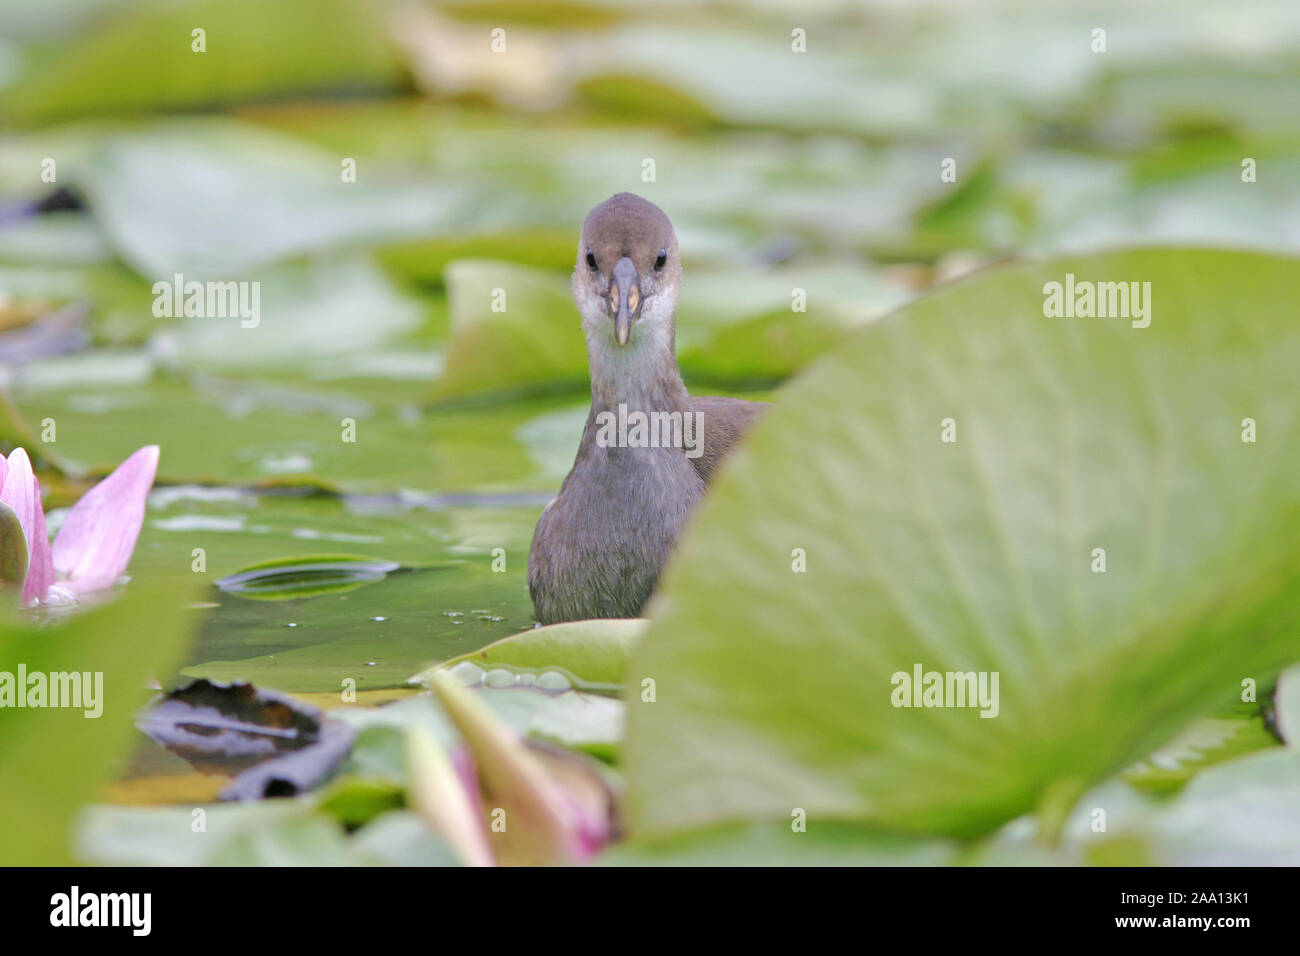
(97, 537)
(554, 817)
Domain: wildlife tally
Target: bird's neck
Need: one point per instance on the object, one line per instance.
(642, 375)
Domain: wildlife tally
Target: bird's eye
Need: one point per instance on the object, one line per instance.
(591, 259)
(663, 257)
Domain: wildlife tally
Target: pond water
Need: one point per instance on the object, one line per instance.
(428, 513)
(381, 631)
(319, 626)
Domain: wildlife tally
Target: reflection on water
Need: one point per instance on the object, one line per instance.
(285, 615)
(307, 577)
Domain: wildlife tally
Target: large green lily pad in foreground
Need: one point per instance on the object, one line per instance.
(774, 688)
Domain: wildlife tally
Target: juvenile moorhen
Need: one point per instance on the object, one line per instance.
(601, 543)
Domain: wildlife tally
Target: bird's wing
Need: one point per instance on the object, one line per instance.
(724, 422)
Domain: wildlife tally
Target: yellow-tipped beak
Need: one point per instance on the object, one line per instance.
(624, 299)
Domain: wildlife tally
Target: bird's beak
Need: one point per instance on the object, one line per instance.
(624, 298)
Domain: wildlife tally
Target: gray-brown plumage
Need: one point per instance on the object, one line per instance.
(600, 545)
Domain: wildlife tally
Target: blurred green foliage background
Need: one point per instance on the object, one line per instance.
(817, 170)
(795, 145)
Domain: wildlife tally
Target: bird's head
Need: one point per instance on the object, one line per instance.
(628, 274)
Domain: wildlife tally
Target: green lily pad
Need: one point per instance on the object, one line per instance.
(780, 844)
(755, 79)
(66, 238)
(53, 759)
(1237, 813)
(592, 654)
(221, 430)
(516, 329)
(301, 203)
(306, 320)
(777, 689)
(1056, 201)
(118, 303)
(1288, 706)
(1205, 743)
(511, 328)
(356, 800)
(740, 324)
(424, 261)
(265, 833)
(571, 718)
(281, 47)
(401, 838)
(363, 640)
(14, 429)
(586, 722)
(444, 600)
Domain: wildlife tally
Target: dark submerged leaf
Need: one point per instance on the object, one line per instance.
(276, 745)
